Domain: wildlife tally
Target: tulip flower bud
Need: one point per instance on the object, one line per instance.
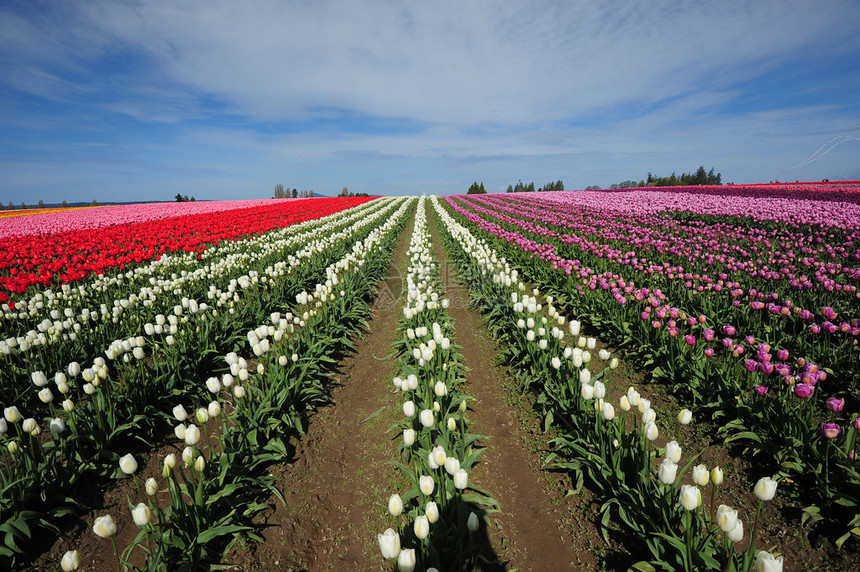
(452, 465)
(29, 425)
(45, 395)
(408, 437)
(737, 533)
(426, 484)
(461, 479)
(188, 456)
(179, 431)
(726, 517)
(214, 409)
(599, 390)
(439, 455)
(227, 380)
(170, 460)
(421, 527)
(765, 489)
(651, 431)
(472, 522)
(673, 451)
(717, 476)
(213, 385)
(202, 415)
(608, 411)
(128, 464)
(395, 505)
(389, 543)
(192, 434)
(12, 447)
(57, 426)
(180, 414)
(624, 403)
(406, 560)
(432, 512)
(39, 379)
(701, 476)
(649, 416)
(667, 472)
(3, 426)
(104, 526)
(587, 392)
(151, 486)
(644, 404)
(71, 561)
(199, 464)
(141, 515)
(409, 408)
(426, 418)
(685, 416)
(767, 562)
(239, 392)
(12, 414)
(690, 498)
(440, 389)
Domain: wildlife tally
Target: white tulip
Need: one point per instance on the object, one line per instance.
(651, 431)
(151, 486)
(701, 476)
(406, 560)
(104, 526)
(141, 515)
(432, 512)
(427, 418)
(667, 472)
(395, 505)
(421, 527)
(690, 497)
(71, 561)
(685, 416)
(128, 464)
(180, 414)
(673, 451)
(409, 408)
(765, 489)
(461, 479)
(426, 484)
(192, 435)
(389, 543)
(408, 437)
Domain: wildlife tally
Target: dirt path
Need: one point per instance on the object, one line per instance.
(340, 479)
(536, 528)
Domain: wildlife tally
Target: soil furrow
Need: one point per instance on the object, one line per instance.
(536, 528)
(340, 480)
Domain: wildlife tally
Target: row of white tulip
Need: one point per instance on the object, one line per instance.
(559, 359)
(436, 444)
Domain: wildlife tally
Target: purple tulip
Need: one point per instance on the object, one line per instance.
(830, 430)
(782, 355)
(835, 404)
(803, 390)
(761, 389)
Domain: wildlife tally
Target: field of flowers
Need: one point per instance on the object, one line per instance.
(127, 333)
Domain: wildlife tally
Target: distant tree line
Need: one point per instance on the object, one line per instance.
(476, 189)
(345, 192)
(184, 199)
(700, 177)
(530, 188)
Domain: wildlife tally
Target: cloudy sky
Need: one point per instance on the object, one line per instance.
(140, 100)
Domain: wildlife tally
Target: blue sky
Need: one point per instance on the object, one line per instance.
(120, 101)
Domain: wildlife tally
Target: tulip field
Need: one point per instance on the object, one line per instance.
(196, 341)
